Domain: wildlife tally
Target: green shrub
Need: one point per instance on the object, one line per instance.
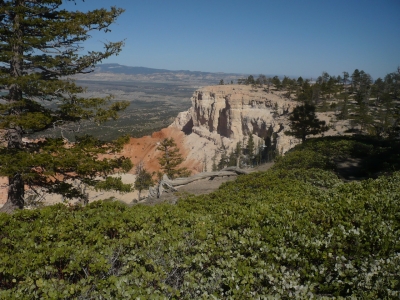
(286, 233)
(303, 159)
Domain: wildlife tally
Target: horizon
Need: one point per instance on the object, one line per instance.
(289, 38)
(222, 73)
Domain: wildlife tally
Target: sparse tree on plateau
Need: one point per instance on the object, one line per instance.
(277, 82)
(345, 108)
(346, 77)
(304, 122)
(40, 47)
(250, 80)
(285, 82)
(355, 80)
(170, 159)
(300, 81)
(269, 83)
(261, 80)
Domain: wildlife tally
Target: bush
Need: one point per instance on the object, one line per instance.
(286, 233)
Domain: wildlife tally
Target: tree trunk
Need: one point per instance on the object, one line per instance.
(16, 190)
(16, 193)
(172, 184)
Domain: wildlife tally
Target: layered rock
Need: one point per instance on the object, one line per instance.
(223, 115)
(220, 117)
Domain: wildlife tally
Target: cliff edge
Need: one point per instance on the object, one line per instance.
(222, 115)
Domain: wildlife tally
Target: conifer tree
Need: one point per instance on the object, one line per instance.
(224, 160)
(260, 148)
(345, 108)
(205, 162)
(214, 162)
(277, 82)
(304, 122)
(250, 148)
(232, 159)
(171, 159)
(143, 178)
(238, 154)
(40, 47)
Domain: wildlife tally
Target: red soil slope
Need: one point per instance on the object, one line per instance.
(144, 148)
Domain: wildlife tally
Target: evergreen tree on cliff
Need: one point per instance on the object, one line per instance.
(40, 46)
(304, 122)
(250, 148)
(144, 179)
(170, 159)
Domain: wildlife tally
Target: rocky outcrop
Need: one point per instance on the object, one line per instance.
(223, 115)
(220, 116)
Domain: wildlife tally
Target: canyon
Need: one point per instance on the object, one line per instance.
(220, 116)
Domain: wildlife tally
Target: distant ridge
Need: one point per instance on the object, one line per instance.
(121, 69)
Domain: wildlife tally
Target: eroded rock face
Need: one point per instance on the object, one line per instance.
(223, 115)
(220, 117)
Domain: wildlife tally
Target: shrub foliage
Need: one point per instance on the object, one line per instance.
(299, 233)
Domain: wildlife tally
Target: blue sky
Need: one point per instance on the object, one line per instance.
(282, 37)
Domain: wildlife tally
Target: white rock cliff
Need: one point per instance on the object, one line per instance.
(223, 115)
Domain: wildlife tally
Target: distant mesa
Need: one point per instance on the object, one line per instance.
(116, 72)
(121, 69)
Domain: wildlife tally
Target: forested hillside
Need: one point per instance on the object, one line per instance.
(372, 106)
(299, 230)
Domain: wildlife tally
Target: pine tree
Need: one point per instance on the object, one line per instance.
(143, 178)
(205, 162)
(344, 113)
(363, 117)
(277, 82)
(260, 149)
(304, 122)
(232, 159)
(250, 148)
(214, 162)
(238, 154)
(40, 46)
(224, 160)
(171, 159)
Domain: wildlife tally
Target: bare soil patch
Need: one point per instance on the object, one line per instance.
(200, 187)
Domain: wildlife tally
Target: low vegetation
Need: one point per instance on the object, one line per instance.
(296, 231)
(307, 228)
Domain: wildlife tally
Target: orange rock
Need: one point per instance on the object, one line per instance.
(145, 148)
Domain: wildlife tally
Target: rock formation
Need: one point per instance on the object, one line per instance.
(220, 116)
(223, 115)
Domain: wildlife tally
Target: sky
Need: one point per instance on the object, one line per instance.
(279, 37)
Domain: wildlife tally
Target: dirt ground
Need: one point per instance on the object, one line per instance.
(200, 187)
